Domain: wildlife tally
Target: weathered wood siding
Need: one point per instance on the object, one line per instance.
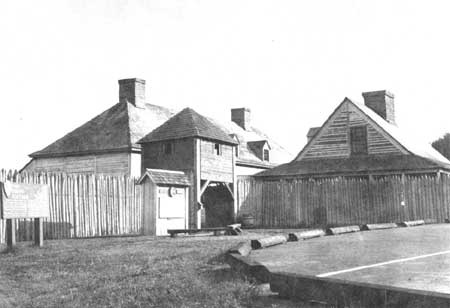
(83, 206)
(344, 201)
(216, 167)
(182, 156)
(150, 199)
(333, 140)
(110, 164)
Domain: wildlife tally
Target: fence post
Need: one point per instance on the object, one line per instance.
(10, 233)
(38, 232)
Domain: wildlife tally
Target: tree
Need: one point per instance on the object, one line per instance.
(442, 145)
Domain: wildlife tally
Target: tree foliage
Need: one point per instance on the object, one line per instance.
(442, 145)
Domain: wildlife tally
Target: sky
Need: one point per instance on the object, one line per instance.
(290, 62)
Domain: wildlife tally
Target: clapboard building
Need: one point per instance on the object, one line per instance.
(362, 140)
(108, 143)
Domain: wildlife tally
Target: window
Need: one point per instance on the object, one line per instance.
(217, 149)
(266, 155)
(167, 148)
(236, 151)
(358, 140)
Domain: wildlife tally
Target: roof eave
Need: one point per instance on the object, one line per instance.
(255, 164)
(87, 152)
(232, 143)
(355, 173)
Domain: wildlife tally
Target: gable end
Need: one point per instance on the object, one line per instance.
(333, 139)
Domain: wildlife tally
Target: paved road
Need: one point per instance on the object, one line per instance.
(415, 258)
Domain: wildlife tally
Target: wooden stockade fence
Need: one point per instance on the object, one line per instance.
(82, 206)
(344, 201)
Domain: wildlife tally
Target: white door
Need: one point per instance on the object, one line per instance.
(171, 209)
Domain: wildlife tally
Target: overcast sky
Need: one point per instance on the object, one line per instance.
(291, 62)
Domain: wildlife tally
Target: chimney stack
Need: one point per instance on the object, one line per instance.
(382, 102)
(241, 116)
(312, 132)
(133, 91)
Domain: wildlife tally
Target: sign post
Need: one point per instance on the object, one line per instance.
(38, 232)
(20, 200)
(10, 233)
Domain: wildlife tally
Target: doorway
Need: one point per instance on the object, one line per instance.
(218, 204)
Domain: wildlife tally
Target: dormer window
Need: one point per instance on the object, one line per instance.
(260, 148)
(168, 148)
(266, 155)
(217, 149)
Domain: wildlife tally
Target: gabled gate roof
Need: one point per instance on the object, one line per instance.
(166, 177)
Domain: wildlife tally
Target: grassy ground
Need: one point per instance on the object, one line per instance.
(129, 272)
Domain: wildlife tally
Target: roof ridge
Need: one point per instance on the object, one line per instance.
(319, 130)
(359, 105)
(114, 129)
(47, 150)
(193, 113)
(188, 123)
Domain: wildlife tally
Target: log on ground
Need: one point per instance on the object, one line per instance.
(243, 249)
(379, 226)
(269, 241)
(341, 230)
(412, 223)
(296, 236)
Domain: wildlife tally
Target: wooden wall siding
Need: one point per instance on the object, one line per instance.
(150, 199)
(83, 206)
(377, 140)
(112, 164)
(341, 201)
(216, 167)
(182, 157)
(333, 141)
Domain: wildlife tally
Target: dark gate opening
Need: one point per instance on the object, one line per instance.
(218, 205)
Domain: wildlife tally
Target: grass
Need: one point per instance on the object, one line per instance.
(129, 272)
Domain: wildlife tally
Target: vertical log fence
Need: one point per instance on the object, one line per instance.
(342, 201)
(82, 206)
(94, 206)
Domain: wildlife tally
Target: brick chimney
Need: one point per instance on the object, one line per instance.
(133, 91)
(382, 102)
(241, 116)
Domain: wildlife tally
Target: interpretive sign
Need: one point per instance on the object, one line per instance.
(21, 200)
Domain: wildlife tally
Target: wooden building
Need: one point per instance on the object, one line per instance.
(361, 140)
(166, 195)
(191, 143)
(107, 144)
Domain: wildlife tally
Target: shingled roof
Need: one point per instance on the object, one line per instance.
(166, 177)
(188, 123)
(370, 164)
(414, 145)
(116, 129)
